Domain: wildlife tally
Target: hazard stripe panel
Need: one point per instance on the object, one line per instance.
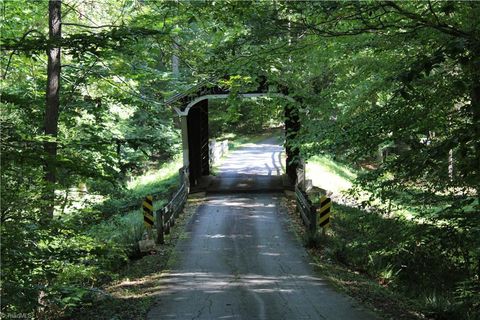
(324, 212)
(147, 206)
(148, 211)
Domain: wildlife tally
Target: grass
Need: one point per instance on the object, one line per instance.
(132, 293)
(329, 175)
(401, 264)
(88, 249)
(236, 140)
(156, 180)
(161, 183)
(127, 228)
(337, 178)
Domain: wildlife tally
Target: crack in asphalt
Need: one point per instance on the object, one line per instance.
(207, 298)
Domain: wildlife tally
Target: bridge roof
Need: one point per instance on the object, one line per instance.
(204, 87)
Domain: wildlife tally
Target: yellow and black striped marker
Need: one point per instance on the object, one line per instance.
(325, 207)
(148, 211)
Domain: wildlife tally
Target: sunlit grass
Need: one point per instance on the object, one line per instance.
(153, 177)
(329, 175)
(127, 228)
(337, 178)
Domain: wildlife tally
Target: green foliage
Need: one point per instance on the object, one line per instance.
(57, 262)
(123, 230)
(244, 116)
(419, 260)
(389, 87)
(77, 251)
(422, 252)
(111, 127)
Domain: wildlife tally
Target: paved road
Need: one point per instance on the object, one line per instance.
(240, 261)
(260, 159)
(255, 167)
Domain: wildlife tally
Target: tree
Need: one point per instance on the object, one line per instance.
(52, 109)
(399, 76)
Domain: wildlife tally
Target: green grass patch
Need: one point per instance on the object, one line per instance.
(154, 181)
(237, 140)
(127, 228)
(330, 175)
(414, 252)
(419, 261)
(132, 293)
(161, 183)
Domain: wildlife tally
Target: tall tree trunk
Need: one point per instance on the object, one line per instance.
(175, 62)
(474, 67)
(292, 127)
(476, 124)
(52, 103)
(476, 127)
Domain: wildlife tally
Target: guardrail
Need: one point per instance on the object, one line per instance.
(165, 217)
(307, 210)
(217, 150)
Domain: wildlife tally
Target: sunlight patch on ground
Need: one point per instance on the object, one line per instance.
(165, 172)
(328, 175)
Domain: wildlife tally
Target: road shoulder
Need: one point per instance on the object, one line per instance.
(365, 290)
(133, 295)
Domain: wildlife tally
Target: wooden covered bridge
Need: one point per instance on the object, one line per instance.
(191, 107)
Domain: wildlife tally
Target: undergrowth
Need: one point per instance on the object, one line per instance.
(52, 269)
(429, 259)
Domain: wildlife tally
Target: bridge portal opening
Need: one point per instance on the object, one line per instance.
(196, 133)
(260, 161)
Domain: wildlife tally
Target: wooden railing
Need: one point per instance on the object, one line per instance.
(307, 210)
(217, 150)
(165, 217)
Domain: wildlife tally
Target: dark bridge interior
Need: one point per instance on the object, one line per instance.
(199, 156)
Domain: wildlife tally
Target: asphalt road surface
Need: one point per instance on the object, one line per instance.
(239, 260)
(253, 168)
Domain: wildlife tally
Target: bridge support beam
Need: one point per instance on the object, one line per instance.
(184, 129)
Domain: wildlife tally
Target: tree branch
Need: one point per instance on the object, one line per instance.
(4, 75)
(442, 27)
(89, 27)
